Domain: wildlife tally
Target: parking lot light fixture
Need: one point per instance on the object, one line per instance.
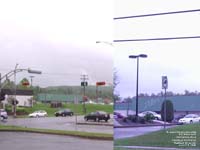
(34, 71)
(137, 78)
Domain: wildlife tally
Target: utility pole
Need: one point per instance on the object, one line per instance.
(84, 83)
(165, 86)
(32, 80)
(15, 100)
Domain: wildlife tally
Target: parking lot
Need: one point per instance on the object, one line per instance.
(62, 123)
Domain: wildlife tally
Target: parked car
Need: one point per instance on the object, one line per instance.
(3, 114)
(118, 115)
(39, 113)
(190, 118)
(97, 116)
(64, 112)
(156, 116)
(178, 117)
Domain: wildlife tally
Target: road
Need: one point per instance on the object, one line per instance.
(59, 123)
(34, 141)
(120, 133)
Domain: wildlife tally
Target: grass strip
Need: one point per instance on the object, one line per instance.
(88, 135)
(163, 138)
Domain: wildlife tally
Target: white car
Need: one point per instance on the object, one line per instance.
(3, 114)
(190, 118)
(39, 113)
(157, 116)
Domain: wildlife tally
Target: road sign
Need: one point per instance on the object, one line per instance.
(164, 82)
(84, 83)
(100, 83)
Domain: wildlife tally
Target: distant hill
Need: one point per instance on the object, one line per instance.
(90, 91)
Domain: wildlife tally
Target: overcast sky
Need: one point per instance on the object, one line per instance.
(178, 59)
(59, 38)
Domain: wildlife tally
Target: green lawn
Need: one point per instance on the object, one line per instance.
(100, 136)
(117, 148)
(77, 108)
(162, 138)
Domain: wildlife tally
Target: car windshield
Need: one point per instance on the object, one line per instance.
(101, 112)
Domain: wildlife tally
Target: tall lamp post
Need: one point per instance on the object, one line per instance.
(14, 72)
(137, 79)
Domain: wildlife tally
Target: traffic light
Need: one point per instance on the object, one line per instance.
(2, 96)
(164, 82)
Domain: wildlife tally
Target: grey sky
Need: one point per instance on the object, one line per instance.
(58, 38)
(178, 59)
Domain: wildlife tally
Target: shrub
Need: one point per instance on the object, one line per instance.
(132, 118)
(169, 110)
(149, 117)
(141, 120)
(124, 119)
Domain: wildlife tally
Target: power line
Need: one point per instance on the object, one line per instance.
(159, 39)
(158, 14)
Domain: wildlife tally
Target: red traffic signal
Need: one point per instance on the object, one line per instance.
(100, 83)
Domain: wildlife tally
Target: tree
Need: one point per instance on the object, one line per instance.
(7, 84)
(128, 101)
(169, 111)
(24, 84)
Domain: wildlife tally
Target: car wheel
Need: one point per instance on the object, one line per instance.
(191, 121)
(63, 115)
(37, 116)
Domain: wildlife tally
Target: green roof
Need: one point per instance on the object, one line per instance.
(181, 103)
(58, 97)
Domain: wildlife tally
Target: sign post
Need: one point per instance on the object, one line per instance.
(165, 86)
(99, 84)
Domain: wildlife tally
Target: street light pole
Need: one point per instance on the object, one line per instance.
(15, 100)
(13, 73)
(32, 80)
(137, 79)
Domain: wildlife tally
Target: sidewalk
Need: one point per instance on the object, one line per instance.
(129, 124)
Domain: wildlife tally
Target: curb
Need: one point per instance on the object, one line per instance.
(99, 124)
(154, 148)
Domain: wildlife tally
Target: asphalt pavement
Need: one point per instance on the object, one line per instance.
(60, 123)
(34, 141)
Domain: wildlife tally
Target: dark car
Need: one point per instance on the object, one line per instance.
(178, 117)
(64, 112)
(97, 116)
